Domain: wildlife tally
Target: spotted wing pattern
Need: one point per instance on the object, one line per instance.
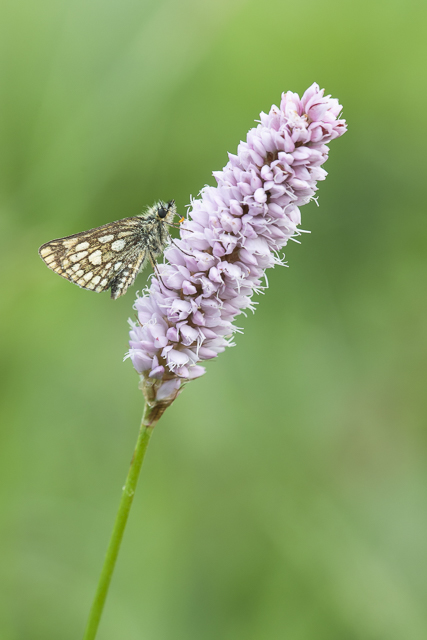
(106, 257)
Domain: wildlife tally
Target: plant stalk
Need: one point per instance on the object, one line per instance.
(149, 419)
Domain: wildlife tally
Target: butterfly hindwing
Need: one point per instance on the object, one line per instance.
(126, 276)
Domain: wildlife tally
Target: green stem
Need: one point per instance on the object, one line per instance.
(149, 419)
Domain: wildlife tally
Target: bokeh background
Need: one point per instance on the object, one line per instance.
(284, 494)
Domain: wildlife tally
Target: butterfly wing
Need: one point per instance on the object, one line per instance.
(104, 257)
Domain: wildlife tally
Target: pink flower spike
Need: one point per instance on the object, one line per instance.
(233, 233)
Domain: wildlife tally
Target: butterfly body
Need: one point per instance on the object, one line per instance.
(111, 256)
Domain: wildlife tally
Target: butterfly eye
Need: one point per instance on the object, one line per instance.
(161, 212)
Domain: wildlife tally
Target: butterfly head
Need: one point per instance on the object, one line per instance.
(166, 211)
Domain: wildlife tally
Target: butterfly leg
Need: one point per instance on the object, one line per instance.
(156, 270)
(178, 247)
(138, 320)
(176, 226)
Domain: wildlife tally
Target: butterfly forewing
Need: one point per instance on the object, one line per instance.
(108, 256)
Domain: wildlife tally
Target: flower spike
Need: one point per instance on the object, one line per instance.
(232, 235)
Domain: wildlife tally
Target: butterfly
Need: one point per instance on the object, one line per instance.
(111, 256)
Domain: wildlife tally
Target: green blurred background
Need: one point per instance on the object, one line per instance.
(284, 493)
